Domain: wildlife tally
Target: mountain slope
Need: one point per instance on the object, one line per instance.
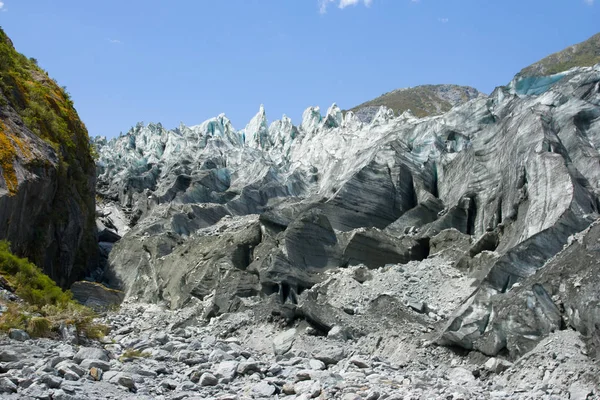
(584, 54)
(47, 179)
(421, 100)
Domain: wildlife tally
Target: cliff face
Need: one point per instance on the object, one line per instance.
(47, 173)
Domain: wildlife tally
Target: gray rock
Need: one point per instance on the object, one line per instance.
(90, 353)
(208, 379)
(359, 362)
(71, 376)
(7, 386)
(18, 334)
(248, 367)
(226, 371)
(316, 364)
(283, 342)
(68, 333)
(125, 381)
(169, 384)
(263, 389)
(337, 333)
(7, 355)
(330, 354)
(310, 388)
(87, 364)
(60, 394)
(580, 391)
(460, 376)
(51, 381)
(496, 365)
(96, 295)
(66, 366)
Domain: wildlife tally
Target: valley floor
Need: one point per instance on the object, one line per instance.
(155, 353)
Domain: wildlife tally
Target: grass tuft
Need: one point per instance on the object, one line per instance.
(131, 353)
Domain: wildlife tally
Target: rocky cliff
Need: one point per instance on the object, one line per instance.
(47, 174)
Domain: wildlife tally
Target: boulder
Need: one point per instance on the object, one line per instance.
(96, 295)
(90, 353)
(283, 342)
(18, 334)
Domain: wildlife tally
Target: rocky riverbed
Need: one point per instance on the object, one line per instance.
(156, 353)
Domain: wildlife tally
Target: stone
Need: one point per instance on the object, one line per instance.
(51, 381)
(126, 381)
(248, 367)
(90, 353)
(317, 364)
(226, 371)
(96, 373)
(460, 376)
(68, 366)
(337, 333)
(330, 354)
(373, 395)
(580, 391)
(263, 389)
(310, 388)
(7, 386)
(87, 364)
(208, 379)
(71, 376)
(18, 334)
(96, 295)
(359, 362)
(7, 355)
(496, 365)
(68, 333)
(169, 384)
(283, 342)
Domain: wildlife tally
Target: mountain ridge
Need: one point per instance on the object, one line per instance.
(422, 100)
(583, 54)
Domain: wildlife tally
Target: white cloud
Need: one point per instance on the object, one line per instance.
(1, 5)
(589, 2)
(116, 41)
(323, 4)
(443, 20)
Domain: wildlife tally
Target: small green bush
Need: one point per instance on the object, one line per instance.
(47, 304)
(31, 284)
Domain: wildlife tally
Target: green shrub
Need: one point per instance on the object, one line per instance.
(31, 284)
(47, 304)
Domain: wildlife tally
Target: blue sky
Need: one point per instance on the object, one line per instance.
(169, 61)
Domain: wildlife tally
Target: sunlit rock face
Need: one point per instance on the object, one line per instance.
(219, 212)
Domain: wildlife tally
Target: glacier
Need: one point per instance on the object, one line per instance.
(218, 214)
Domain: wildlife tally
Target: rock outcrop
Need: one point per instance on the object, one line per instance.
(47, 179)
